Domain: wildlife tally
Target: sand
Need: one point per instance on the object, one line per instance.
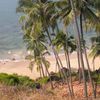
(21, 67)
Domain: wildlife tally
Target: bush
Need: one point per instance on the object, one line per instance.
(43, 80)
(96, 76)
(54, 76)
(16, 80)
(9, 79)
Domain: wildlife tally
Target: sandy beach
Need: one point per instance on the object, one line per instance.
(21, 67)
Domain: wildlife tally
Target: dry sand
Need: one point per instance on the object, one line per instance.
(22, 67)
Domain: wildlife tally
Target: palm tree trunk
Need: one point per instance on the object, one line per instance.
(89, 73)
(79, 68)
(93, 64)
(49, 77)
(42, 71)
(86, 58)
(80, 51)
(58, 60)
(47, 72)
(69, 67)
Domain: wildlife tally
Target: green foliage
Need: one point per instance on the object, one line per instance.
(63, 41)
(15, 80)
(95, 49)
(9, 79)
(43, 80)
(96, 77)
(74, 74)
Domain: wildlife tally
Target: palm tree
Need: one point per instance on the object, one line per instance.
(83, 9)
(35, 44)
(57, 58)
(36, 13)
(67, 43)
(42, 16)
(79, 46)
(47, 64)
(86, 13)
(65, 15)
(95, 49)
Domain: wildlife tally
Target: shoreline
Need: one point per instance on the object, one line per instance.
(21, 67)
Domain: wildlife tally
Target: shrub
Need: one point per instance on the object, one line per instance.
(9, 79)
(54, 76)
(43, 80)
(16, 80)
(96, 76)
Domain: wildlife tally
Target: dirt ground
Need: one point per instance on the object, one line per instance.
(60, 92)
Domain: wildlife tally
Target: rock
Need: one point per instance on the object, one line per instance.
(38, 86)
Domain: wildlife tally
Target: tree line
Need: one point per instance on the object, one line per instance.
(45, 26)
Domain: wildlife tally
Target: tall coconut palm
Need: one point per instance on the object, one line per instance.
(86, 57)
(37, 13)
(39, 9)
(86, 13)
(65, 15)
(83, 9)
(35, 44)
(79, 45)
(56, 55)
(67, 43)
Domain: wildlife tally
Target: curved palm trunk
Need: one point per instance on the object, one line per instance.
(86, 58)
(79, 68)
(80, 51)
(42, 71)
(49, 77)
(58, 67)
(58, 60)
(93, 61)
(69, 67)
(47, 72)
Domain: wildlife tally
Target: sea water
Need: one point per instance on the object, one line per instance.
(11, 37)
(11, 42)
